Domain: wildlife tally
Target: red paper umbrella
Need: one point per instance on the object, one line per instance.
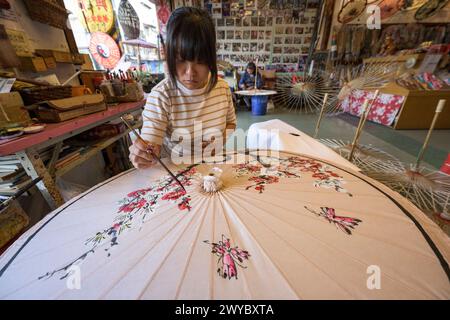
(351, 10)
(104, 49)
(388, 8)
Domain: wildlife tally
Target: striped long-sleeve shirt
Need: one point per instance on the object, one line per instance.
(171, 112)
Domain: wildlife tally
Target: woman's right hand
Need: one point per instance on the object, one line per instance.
(141, 157)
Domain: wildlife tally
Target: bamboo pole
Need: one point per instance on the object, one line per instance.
(325, 98)
(439, 108)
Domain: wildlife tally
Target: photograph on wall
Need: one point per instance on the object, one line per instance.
(275, 59)
(227, 47)
(278, 40)
(246, 35)
(229, 22)
(305, 50)
(238, 35)
(308, 40)
(253, 47)
(230, 35)
(221, 35)
(269, 21)
(288, 20)
(261, 34)
(246, 21)
(254, 35)
(313, 4)
(279, 30)
(226, 8)
(220, 22)
(238, 22)
(279, 20)
(288, 40)
(254, 22)
(298, 30)
(262, 22)
(250, 4)
(245, 47)
(267, 47)
(304, 20)
(217, 12)
(297, 40)
(277, 49)
(289, 30)
(268, 34)
(236, 47)
(260, 47)
(226, 57)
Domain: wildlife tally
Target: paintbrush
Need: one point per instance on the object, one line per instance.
(154, 155)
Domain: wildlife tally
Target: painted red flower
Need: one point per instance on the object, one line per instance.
(321, 176)
(174, 195)
(138, 193)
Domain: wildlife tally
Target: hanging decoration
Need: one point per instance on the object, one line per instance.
(129, 20)
(429, 9)
(163, 14)
(351, 10)
(407, 5)
(104, 50)
(97, 15)
(388, 8)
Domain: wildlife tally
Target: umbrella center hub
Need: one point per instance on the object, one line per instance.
(211, 182)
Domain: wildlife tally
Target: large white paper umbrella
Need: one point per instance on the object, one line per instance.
(291, 227)
(366, 157)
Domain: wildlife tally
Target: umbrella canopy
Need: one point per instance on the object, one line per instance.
(291, 227)
(140, 43)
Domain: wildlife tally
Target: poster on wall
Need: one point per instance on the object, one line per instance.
(129, 20)
(97, 15)
(163, 14)
(104, 50)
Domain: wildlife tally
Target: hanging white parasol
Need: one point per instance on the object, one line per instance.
(291, 227)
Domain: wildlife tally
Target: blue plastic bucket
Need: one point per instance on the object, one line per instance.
(259, 105)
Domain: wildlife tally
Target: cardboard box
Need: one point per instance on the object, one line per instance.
(50, 62)
(59, 56)
(11, 108)
(64, 57)
(35, 64)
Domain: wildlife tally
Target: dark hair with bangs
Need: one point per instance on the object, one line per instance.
(191, 35)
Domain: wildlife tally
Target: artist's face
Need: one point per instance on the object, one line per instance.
(250, 71)
(193, 75)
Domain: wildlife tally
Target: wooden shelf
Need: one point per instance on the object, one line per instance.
(97, 147)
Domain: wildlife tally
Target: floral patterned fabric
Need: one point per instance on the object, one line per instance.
(383, 111)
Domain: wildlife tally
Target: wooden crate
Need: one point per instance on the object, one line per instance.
(35, 64)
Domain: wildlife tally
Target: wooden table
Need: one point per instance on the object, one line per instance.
(26, 148)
